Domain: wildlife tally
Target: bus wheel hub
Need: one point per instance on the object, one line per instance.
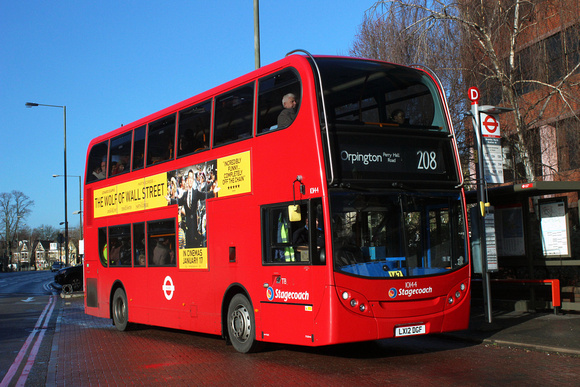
(241, 323)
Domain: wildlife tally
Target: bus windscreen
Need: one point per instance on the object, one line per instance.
(397, 235)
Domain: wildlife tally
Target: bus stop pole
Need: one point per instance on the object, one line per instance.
(481, 208)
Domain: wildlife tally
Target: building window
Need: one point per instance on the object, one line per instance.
(572, 48)
(568, 144)
(554, 58)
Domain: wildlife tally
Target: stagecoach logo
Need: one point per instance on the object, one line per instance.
(270, 293)
(168, 288)
(285, 296)
(409, 292)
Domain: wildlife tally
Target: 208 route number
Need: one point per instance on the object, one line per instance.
(427, 160)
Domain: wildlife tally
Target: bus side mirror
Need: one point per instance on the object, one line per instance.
(294, 213)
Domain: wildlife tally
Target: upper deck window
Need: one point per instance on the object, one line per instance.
(139, 147)
(234, 115)
(160, 140)
(272, 113)
(120, 154)
(97, 163)
(194, 128)
(380, 94)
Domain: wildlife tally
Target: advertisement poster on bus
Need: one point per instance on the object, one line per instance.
(131, 196)
(188, 188)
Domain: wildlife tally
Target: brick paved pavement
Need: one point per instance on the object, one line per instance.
(89, 351)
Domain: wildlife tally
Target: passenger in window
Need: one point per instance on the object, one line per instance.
(138, 160)
(115, 252)
(123, 164)
(169, 152)
(398, 117)
(99, 172)
(161, 252)
(140, 251)
(114, 168)
(287, 115)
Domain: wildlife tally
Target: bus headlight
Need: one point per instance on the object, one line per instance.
(355, 302)
(457, 293)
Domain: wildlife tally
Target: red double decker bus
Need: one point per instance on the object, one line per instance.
(314, 201)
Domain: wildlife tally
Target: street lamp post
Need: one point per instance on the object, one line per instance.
(80, 211)
(32, 104)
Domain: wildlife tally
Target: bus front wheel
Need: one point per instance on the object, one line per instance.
(120, 310)
(241, 324)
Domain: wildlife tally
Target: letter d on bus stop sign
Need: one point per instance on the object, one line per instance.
(473, 94)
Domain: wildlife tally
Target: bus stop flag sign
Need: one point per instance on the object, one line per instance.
(492, 152)
(489, 125)
(473, 94)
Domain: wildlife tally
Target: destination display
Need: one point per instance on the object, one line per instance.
(394, 158)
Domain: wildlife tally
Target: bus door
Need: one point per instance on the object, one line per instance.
(292, 259)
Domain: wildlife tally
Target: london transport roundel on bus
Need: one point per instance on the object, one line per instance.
(168, 288)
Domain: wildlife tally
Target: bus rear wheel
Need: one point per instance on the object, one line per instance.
(241, 324)
(120, 310)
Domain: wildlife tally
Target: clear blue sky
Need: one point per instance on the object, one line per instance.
(112, 62)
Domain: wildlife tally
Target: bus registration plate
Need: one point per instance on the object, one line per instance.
(410, 331)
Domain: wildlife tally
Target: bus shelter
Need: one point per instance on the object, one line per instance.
(537, 237)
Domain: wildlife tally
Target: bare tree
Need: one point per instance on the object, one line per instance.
(501, 53)
(14, 208)
(45, 233)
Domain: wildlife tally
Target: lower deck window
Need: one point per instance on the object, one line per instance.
(161, 242)
(128, 245)
(289, 238)
(120, 245)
